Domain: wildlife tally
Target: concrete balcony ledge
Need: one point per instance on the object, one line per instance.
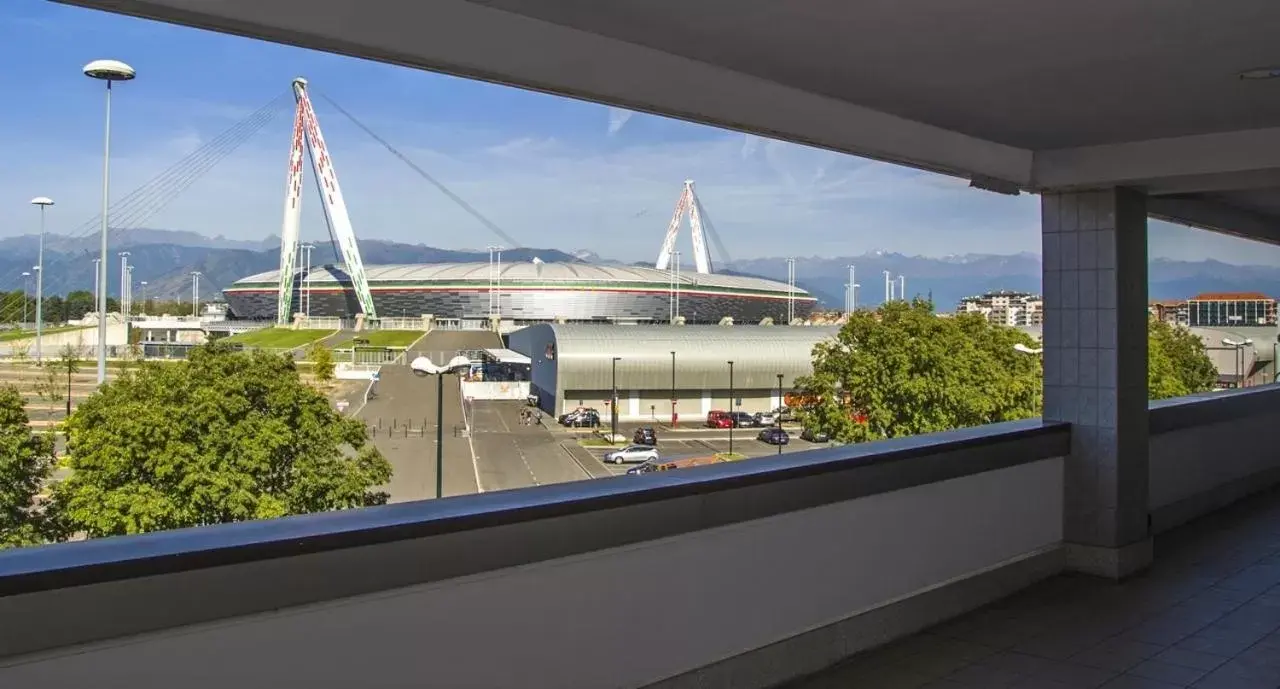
(555, 586)
(1208, 451)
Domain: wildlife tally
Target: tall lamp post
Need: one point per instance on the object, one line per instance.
(43, 202)
(613, 403)
(26, 287)
(195, 296)
(733, 419)
(108, 71)
(124, 284)
(674, 417)
(778, 419)
(143, 284)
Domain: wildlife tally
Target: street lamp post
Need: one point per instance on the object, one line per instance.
(26, 282)
(144, 295)
(124, 283)
(97, 267)
(439, 434)
(778, 418)
(733, 419)
(674, 418)
(613, 403)
(195, 296)
(43, 202)
(108, 71)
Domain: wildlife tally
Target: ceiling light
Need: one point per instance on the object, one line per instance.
(1263, 73)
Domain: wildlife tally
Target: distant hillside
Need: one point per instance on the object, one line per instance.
(167, 265)
(166, 258)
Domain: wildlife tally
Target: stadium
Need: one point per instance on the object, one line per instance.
(529, 292)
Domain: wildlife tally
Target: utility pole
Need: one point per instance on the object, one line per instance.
(674, 416)
(853, 297)
(791, 290)
(195, 293)
(733, 418)
(97, 266)
(124, 281)
(613, 403)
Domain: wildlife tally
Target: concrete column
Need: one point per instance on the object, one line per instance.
(1095, 364)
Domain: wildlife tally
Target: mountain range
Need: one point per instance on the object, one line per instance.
(166, 258)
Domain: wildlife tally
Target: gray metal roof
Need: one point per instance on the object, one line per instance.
(528, 271)
(585, 355)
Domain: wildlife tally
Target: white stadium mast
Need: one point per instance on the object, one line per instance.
(688, 203)
(306, 132)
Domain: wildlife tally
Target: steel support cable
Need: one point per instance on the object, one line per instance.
(711, 231)
(167, 191)
(142, 193)
(425, 175)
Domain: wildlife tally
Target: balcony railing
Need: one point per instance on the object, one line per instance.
(743, 574)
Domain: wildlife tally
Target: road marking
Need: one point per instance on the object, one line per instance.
(475, 464)
(576, 461)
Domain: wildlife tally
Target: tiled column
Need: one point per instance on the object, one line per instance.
(1095, 368)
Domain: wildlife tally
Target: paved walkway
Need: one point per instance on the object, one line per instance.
(403, 412)
(512, 455)
(1207, 615)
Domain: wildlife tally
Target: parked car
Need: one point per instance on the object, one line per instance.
(785, 414)
(645, 436)
(581, 418)
(742, 419)
(634, 453)
(774, 436)
(814, 436)
(719, 419)
(766, 418)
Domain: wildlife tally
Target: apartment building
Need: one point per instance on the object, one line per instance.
(1227, 309)
(1006, 307)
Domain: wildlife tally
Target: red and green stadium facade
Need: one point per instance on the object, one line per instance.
(528, 292)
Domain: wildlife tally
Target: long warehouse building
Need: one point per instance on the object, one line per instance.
(528, 292)
(577, 365)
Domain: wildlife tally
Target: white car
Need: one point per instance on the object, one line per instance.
(633, 453)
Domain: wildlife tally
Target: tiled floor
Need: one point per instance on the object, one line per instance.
(1206, 615)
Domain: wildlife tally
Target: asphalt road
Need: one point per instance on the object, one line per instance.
(402, 417)
(512, 455)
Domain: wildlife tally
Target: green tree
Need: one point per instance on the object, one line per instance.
(26, 463)
(222, 437)
(321, 358)
(1177, 362)
(901, 370)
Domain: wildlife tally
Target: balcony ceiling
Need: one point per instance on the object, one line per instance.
(1032, 95)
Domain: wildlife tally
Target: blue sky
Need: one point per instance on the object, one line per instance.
(551, 171)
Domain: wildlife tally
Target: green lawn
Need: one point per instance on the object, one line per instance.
(386, 338)
(281, 338)
(11, 335)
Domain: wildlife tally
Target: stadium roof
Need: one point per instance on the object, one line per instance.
(527, 271)
(584, 355)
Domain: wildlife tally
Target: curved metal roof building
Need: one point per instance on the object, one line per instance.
(571, 361)
(528, 291)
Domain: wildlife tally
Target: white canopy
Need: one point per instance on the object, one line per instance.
(507, 356)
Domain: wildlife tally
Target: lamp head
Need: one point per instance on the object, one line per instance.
(109, 70)
(42, 201)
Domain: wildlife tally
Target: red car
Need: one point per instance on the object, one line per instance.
(719, 419)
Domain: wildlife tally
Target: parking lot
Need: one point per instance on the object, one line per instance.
(698, 442)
